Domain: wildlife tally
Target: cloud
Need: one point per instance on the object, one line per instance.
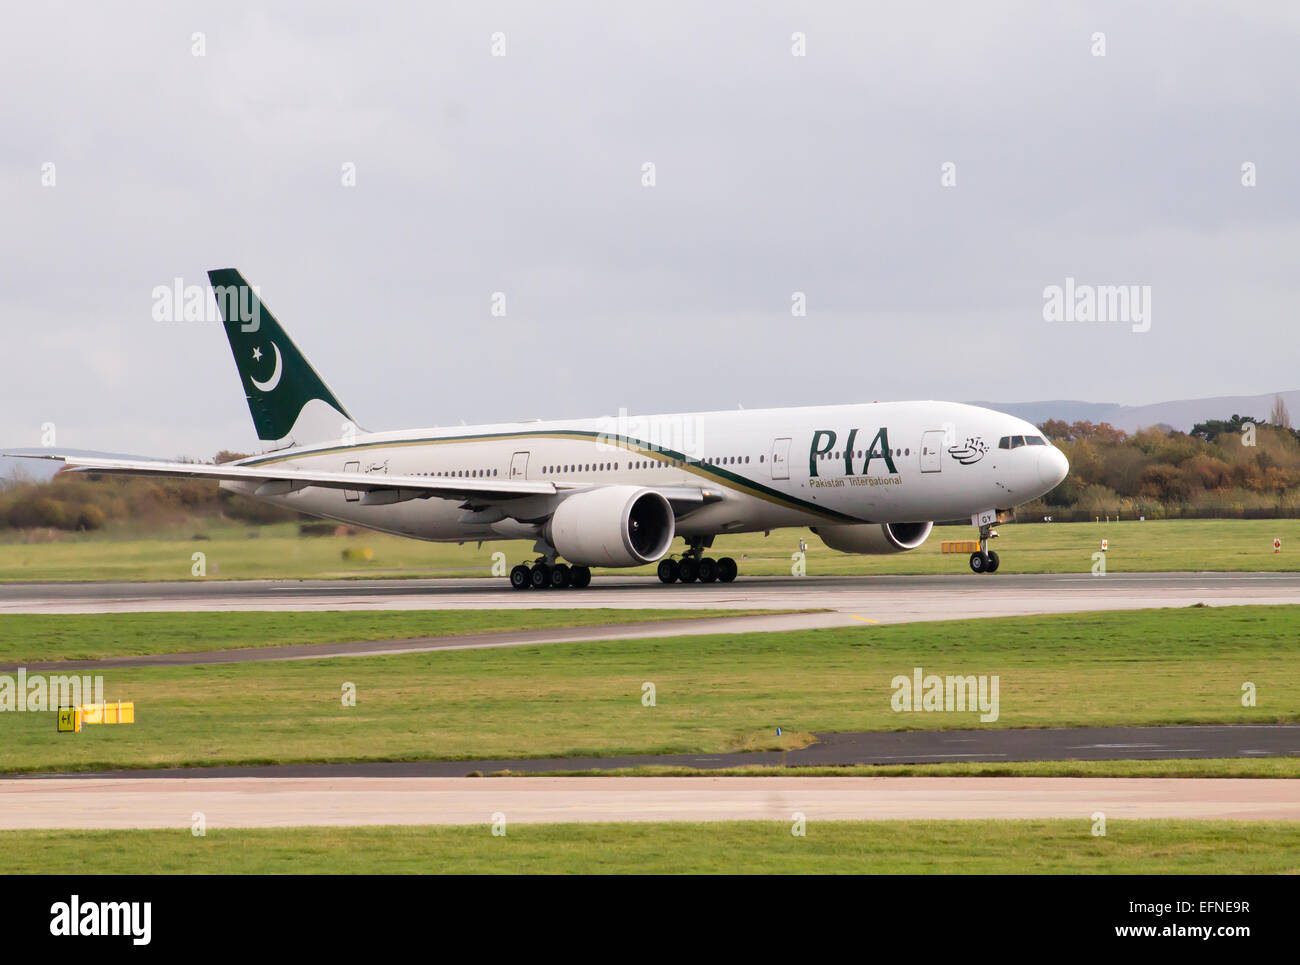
(477, 174)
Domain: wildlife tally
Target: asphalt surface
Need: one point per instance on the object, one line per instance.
(296, 802)
(831, 750)
(885, 599)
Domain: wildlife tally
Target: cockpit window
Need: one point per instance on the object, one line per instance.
(1035, 441)
(1004, 442)
(1015, 442)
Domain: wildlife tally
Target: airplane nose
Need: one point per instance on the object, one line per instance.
(1052, 466)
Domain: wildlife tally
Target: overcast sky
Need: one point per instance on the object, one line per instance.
(523, 174)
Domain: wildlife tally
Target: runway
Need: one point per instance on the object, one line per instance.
(298, 802)
(1187, 742)
(884, 599)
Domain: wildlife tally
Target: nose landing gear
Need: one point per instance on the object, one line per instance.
(985, 561)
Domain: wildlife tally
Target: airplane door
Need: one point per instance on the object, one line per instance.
(351, 495)
(781, 459)
(519, 466)
(932, 450)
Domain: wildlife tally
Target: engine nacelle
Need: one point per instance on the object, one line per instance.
(612, 526)
(874, 538)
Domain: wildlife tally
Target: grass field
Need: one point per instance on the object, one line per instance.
(33, 637)
(713, 693)
(278, 552)
(728, 847)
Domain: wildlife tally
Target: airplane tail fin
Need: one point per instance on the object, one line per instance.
(290, 403)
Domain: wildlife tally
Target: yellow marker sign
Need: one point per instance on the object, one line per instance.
(120, 712)
(69, 720)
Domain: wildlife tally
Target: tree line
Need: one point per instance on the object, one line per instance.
(1240, 466)
(74, 501)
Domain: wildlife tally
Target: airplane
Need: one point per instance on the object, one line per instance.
(616, 491)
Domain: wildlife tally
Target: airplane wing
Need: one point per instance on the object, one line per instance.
(375, 488)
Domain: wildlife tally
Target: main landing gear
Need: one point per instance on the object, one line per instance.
(549, 576)
(985, 561)
(694, 565)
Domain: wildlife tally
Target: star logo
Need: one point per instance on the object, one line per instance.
(274, 380)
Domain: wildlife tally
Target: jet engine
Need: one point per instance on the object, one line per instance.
(612, 526)
(874, 538)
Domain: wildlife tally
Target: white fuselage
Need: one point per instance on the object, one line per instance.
(763, 468)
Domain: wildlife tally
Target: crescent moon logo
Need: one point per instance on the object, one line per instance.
(274, 380)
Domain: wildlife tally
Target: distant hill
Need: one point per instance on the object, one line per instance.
(1181, 415)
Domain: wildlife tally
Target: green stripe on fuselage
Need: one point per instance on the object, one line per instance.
(718, 474)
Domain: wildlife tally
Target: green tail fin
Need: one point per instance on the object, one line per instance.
(289, 402)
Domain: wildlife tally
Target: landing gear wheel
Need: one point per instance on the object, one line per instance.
(580, 577)
(727, 569)
(559, 576)
(541, 576)
(708, 570)
(520, 577)
(688, 570)
(985, 561)
(668, 571)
